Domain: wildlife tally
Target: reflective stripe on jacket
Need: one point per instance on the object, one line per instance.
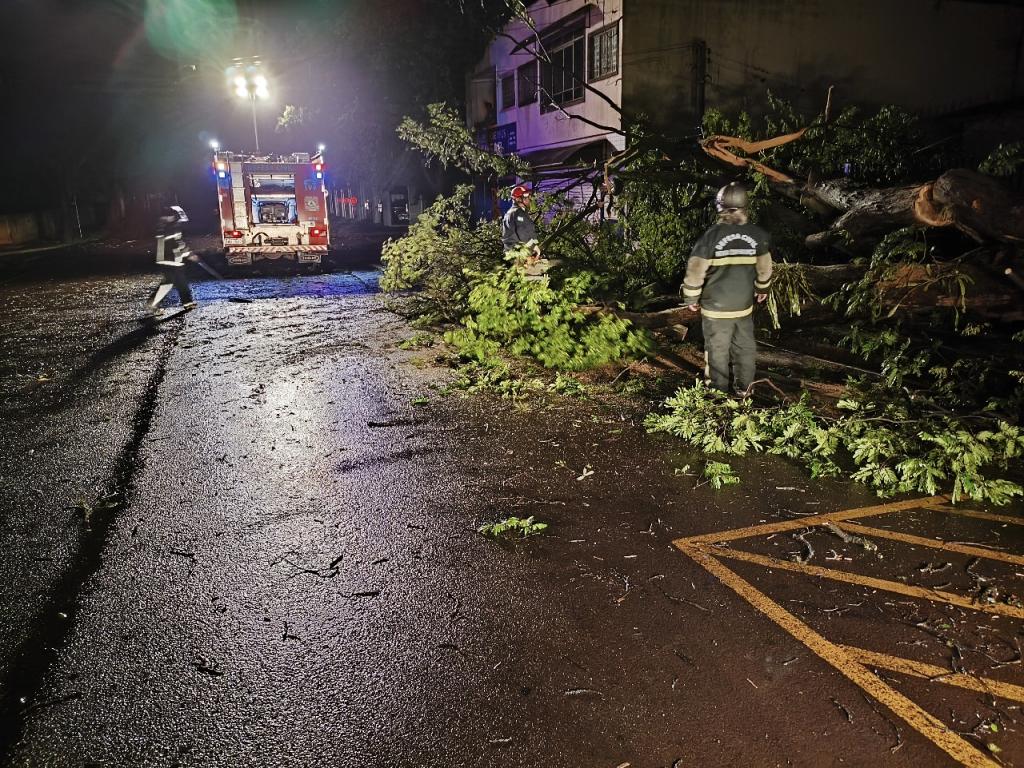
(727, 265)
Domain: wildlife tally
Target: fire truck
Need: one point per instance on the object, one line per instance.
(272, 207)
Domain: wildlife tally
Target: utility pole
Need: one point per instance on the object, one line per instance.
(255, 130)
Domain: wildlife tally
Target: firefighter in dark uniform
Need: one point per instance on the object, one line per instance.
(730, 266)
(518, 232)
(172, 255)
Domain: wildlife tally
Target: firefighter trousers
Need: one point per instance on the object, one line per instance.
(174, 277)
(729, 342)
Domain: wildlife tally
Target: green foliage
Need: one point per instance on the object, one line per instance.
(878, 442)
(417, 341)
(887, 283)
(437, 256)
(508, 313)
(1004, 160)
(293, 116)
(523, 526)
(880, 149)
(444, 137)
(791, 289)
(496, 377)
(719, 474)
(568, 386)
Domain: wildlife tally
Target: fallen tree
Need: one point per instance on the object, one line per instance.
(973, 203)
(903, 351)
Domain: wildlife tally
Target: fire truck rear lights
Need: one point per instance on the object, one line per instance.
(233, 234)
(318, 232)
(222, 174)
(318, 166)
(222, 166)
(319, 174)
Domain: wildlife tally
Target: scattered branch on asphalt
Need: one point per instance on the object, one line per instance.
(807, 553)
(844, 710)
(850, 538)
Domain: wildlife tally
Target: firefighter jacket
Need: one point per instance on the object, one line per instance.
(727, 265)
(517, 227)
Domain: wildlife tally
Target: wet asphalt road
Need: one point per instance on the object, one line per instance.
(273, 560)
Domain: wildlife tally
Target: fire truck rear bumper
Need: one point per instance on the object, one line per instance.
(247, 254)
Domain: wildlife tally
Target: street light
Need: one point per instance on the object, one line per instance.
(252, 86)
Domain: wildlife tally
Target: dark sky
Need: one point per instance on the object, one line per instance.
(139, 87)
(131, 91)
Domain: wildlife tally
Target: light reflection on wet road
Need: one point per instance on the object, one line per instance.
(291, 575)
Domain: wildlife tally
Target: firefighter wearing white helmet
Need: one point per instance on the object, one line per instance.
(729, 268)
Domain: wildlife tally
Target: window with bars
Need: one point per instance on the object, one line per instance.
(508, 91)
(604, 52)
(562, 77)
(527, 76)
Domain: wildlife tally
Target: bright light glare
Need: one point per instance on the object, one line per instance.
(260, 81)
(239, 82)
(242, 92)
(262, 92)
(214, 144)
(320, 147)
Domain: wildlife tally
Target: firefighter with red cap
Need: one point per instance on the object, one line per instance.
(519, 234)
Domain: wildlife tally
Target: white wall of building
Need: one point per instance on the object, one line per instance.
(535, 129)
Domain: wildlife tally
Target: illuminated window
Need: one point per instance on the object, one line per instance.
(604, 52)
(562, 77)
(527, 76)
(508, 91)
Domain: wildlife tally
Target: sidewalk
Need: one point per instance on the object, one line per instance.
(22, 249)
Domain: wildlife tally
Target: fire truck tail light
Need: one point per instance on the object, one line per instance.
(318, 232)
(234, 234)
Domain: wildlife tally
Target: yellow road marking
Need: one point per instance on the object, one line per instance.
(864, 581)
(979, 515)
(946, 546)
(931, 672)
(803, 522)
(922, 721)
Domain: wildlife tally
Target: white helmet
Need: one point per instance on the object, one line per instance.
(731, 197)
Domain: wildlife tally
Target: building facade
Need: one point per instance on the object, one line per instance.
(670, 60)
(527, 95)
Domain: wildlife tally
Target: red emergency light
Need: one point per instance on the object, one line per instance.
(233, 234)
(318, 232)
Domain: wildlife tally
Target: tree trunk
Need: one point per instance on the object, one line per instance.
(976, 204)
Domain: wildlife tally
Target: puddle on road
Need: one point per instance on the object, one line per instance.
(288, 287)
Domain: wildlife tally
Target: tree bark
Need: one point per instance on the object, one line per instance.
(976, 204)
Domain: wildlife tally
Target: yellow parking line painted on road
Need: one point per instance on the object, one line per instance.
(938, 674)
(921, 541)
(951, 510)
(924, 593)
(803, 522)
(922, 721)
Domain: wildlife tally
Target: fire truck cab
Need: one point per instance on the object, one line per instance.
(272, 207)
